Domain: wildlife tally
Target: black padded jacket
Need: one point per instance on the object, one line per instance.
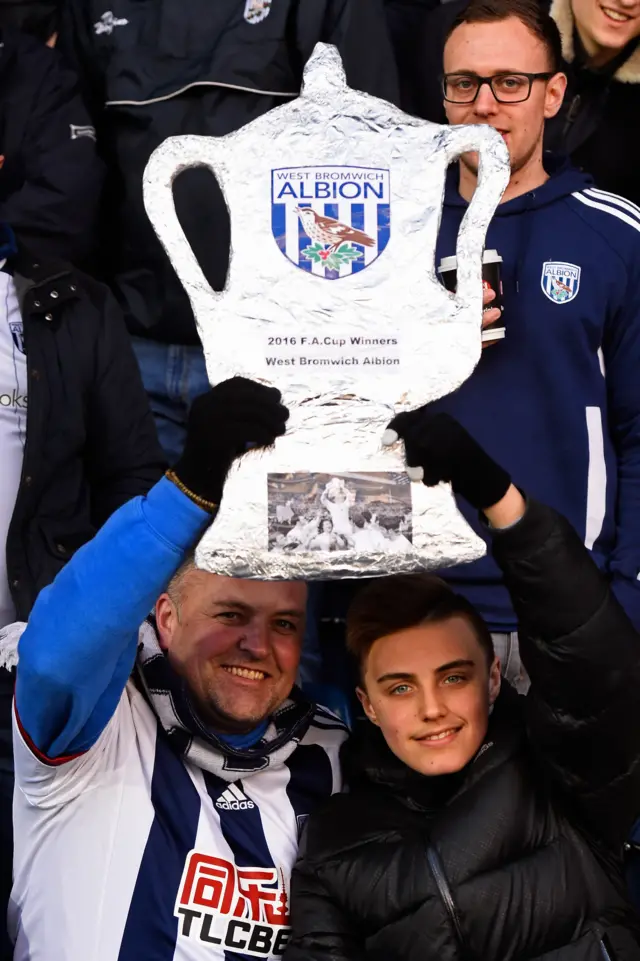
(518, 857)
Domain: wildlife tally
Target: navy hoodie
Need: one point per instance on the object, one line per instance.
(557, 402)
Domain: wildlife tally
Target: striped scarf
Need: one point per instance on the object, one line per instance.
(168, 697)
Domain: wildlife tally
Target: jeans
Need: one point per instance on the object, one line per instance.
(173, 377)
(508, 650)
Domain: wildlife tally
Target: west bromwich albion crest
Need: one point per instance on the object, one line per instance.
(331, 221)
(17, 333)
(255, 11)
(560, 282)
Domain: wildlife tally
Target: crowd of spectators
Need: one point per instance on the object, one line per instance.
(100, 366)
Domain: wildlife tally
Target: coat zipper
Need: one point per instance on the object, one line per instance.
(444, 890)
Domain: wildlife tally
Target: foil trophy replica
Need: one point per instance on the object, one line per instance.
(335, 203)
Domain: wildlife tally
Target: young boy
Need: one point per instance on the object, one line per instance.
(481, 825)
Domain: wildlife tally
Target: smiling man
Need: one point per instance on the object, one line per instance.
(163, 772)
(595, 126)
(480, 825)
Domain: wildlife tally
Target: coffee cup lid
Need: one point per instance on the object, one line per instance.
(448, 263)
(491, 257)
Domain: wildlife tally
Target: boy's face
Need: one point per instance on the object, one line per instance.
(429, 690)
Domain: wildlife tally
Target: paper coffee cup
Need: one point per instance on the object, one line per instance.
(491, 280)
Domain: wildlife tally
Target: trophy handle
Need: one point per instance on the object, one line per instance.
(493, 177)
(168, 160)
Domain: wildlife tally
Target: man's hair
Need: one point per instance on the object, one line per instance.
(528, 12)
(403, 601)
(175, 586)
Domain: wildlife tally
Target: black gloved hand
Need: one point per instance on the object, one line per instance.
(443, 449)
(231, 418)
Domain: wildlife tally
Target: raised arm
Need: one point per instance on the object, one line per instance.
(80, 644)
(579, 647)
(583, 657)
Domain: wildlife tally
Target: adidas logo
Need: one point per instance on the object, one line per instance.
(234, 800)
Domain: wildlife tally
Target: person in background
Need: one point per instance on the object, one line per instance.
(558, 400)
(407, 20)
(596, 124)
(169, 761)
(77, 438)
(480, 825)
(153, 70)
(50, 174)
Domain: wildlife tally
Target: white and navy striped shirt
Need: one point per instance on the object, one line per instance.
(127, 853)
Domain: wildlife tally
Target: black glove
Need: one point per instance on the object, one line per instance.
(231, 418)
(444, 450)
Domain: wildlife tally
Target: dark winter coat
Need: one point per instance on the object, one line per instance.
(169, 68)
(91, 440)
(597, 126)
(518, 857)
(406, 20)
(50, 174)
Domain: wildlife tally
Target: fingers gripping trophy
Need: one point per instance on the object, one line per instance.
(331, 295)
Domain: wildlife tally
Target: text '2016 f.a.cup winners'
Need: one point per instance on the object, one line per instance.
(329, 351)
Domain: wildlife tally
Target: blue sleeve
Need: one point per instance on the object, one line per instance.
(621, 349)
(79, 646)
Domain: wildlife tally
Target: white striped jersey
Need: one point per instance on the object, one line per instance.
(127, 853)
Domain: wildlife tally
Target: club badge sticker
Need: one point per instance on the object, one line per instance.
(331, 221)
(331, 295)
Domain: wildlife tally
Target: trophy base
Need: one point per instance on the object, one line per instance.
(353, 513)
(349, 565)
(335, 526)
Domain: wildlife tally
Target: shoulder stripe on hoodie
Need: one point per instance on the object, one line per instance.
(614, 200)
(608, 210)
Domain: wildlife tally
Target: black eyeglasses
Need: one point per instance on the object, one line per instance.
(506, 87)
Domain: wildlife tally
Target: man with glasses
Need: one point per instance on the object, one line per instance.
(601, 49)
(558, 399)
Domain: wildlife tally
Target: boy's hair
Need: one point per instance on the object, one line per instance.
(529, 12)
(403, 601)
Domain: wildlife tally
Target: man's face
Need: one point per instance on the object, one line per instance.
(237, 644)
(608, 25)
(508, 46)
(429, 690)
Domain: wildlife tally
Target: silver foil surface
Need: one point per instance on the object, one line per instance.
(335, 202)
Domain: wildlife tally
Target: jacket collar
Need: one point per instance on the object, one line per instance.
(43, 287)
(628, 72)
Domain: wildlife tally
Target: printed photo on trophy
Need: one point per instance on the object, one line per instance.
(340, 512)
